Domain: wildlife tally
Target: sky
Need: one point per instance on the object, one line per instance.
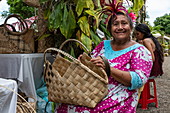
(155, 8)
(3, 7)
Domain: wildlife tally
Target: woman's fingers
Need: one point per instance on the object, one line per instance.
(80, 57)
(98, 62)
(100, 65)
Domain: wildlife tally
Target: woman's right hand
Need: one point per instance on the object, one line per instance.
(98, 61)
(79, 58)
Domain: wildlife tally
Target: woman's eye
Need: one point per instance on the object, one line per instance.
(115, 24)
(124, 23)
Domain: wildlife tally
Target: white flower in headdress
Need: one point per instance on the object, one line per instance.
(127, 4)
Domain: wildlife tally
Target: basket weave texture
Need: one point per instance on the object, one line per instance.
(33, 3)
(74, 82)
(25, 107)
(14, 41)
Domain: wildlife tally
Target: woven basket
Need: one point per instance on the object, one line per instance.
(33, 3)
(74, 82)
(16, 41)
(26, 107)
(22, 105)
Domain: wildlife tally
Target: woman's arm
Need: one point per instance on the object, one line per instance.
(119, 75)
(140, 67)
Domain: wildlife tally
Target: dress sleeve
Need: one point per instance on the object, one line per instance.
(136, 81)
(141, 65)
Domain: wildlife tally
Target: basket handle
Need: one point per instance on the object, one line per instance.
(10, 25)
(61, 46)
(22, 21)
(62, 52)
(19, 96)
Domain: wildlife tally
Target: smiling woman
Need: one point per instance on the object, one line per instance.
(130, 66)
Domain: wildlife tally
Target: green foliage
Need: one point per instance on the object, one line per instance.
(68, 23)
(164, 22)
(55, 18)
(70, 19)
(84, 25)
(82, 4)
(19, 7)
(157, 29)
(86, 41)
(138, 4)
(75, 19)
(4, 14)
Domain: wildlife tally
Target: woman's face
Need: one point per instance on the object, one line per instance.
(139, 35)
(120, 28)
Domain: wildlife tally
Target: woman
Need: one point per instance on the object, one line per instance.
(130, 66)
(143, 34)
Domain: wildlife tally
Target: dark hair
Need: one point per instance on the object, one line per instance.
(113, 18)
(143, 28)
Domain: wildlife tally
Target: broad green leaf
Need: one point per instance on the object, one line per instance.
(81, 4)
(86, 41)
(56, 16)
(79, 7)
(137, 5)
(84, 25)
(95, 38)
(51, 19)
(47, 13)
(68, 24)
(89, 4)
(71, 23)
(104, 29)
(72, 52)
(91, 12)
(94, 14)
(58, 13)
(63, 27)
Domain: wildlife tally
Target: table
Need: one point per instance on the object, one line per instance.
(27, 69)
(8, 99)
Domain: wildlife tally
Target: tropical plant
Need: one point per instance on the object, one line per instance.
(71, 19)
(74, 19)
(19, 7)
(164, 23)
(139, 9)
(78, 19)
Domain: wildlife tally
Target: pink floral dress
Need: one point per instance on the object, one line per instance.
(120, 99)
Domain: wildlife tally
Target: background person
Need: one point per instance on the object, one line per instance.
(143, 34)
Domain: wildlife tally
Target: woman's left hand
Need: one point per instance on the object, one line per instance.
(98, 61)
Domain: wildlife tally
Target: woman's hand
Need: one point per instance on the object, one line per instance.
(140, 42)
(79, 58)
(98, 62)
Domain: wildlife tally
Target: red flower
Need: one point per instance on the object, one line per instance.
(132, 16)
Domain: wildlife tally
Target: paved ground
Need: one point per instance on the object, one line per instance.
(163, 92)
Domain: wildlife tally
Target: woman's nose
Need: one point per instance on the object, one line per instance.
(120, 26)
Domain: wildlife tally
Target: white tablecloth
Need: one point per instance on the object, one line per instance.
(8, 99)
(26, 68)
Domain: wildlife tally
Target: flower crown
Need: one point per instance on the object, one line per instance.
(114, 6)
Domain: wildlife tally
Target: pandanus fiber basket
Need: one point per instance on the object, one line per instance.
(73, 81)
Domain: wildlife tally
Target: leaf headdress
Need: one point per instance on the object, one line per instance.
(112, 7)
